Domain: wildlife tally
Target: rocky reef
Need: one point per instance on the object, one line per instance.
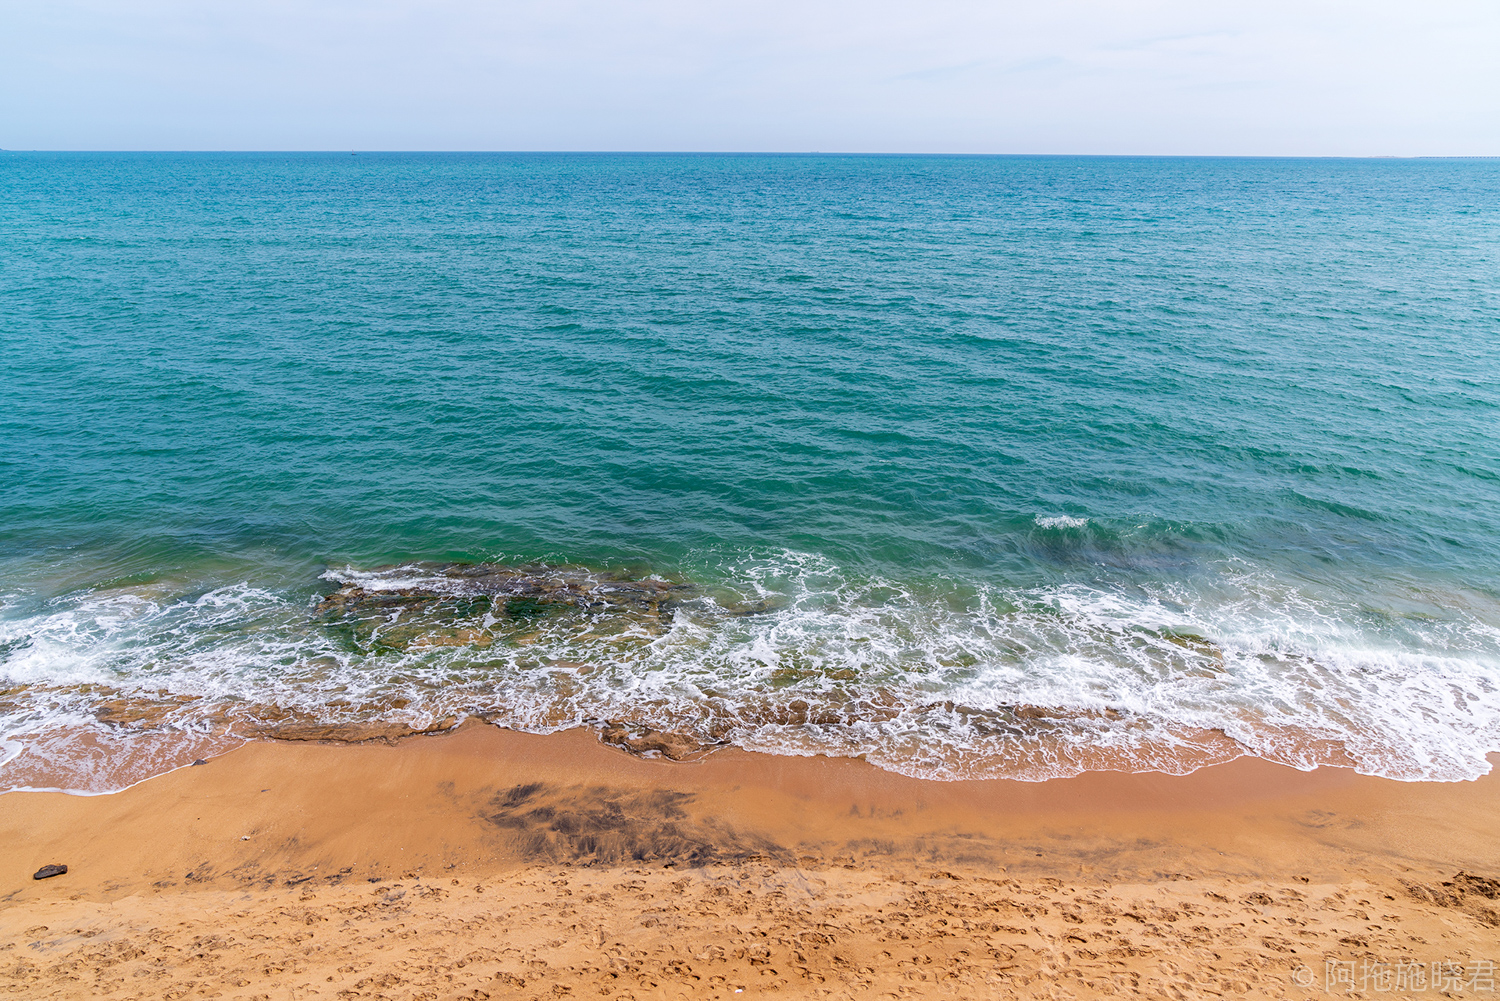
(474, 604)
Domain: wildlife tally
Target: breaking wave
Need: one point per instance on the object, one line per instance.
(786, 653)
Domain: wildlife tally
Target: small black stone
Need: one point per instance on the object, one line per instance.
(200, 761)
(48, 871)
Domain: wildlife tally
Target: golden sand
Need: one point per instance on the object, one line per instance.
(486, 863)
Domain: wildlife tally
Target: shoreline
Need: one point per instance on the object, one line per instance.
(1253, 872)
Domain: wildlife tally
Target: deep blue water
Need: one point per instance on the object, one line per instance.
(1169, 447)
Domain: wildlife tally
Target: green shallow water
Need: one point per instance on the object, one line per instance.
(1166, 446)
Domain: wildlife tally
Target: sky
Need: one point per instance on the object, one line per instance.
(1197, 77)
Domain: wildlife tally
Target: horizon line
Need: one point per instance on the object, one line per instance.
(785, 153)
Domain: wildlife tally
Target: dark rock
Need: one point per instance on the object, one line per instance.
(200, 761)
(646, 742)
(305, 728)
(477, 604)
(143, 713)
(48, 871)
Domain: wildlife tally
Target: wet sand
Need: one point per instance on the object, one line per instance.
(486, 863)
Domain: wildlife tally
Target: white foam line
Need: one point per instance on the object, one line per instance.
(1282, 672)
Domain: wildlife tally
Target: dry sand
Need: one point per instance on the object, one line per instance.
(485, 863)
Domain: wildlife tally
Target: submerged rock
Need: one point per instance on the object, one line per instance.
(307, 727)
(476, 604)
(646, 742)
(835, 710)
(141, 712)
(518, 591)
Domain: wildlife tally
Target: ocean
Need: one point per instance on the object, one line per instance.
(969, 466)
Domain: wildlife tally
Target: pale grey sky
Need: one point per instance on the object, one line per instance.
(1069, 76)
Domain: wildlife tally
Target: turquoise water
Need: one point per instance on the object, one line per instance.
(1022, 465)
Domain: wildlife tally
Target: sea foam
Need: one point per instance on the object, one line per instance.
(786, 653)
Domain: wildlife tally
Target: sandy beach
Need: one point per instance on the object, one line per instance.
(487, 863)
(646, 567)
